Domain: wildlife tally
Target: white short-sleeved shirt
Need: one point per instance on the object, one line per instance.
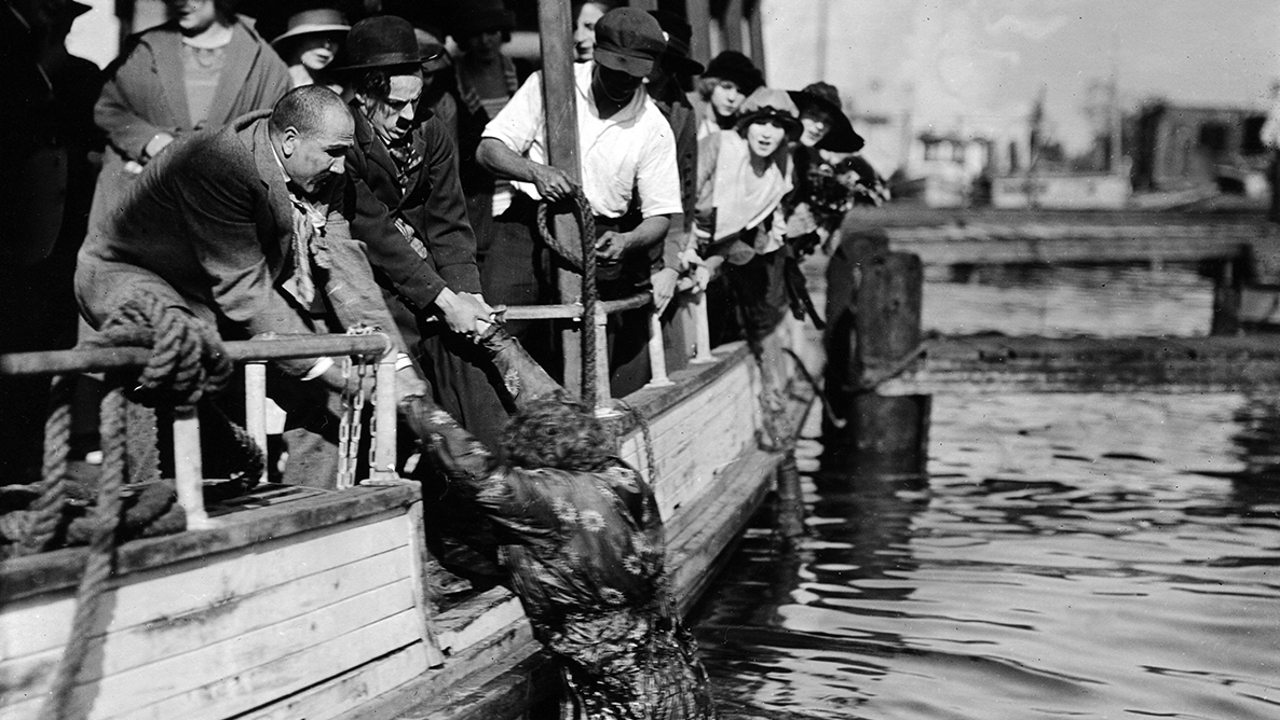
(632, 152)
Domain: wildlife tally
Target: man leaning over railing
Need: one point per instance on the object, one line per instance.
(246, 229)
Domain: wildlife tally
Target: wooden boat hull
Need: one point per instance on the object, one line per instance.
(308, 603)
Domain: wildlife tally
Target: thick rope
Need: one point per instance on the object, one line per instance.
(582, 260)
(100, 562)
(646, 433)
(33, 530)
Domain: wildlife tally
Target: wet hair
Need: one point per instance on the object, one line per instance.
(306, 109)
(555, 433)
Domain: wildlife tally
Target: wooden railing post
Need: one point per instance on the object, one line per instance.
(657, 353)
(382, 461)
(701, 328)
(188, 467)
(600, 326)
(255, 402)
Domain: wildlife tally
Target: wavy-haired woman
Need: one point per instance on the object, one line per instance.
(583, 544)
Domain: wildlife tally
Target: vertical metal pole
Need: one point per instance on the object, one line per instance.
(657, 354)
(188, 469)
(383, 463)
(560, 103)
(255, 402)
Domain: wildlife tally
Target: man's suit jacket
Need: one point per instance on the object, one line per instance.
(431, 203)
(211, 217)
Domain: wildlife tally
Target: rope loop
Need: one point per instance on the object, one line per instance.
(582, 260)
(187, 358)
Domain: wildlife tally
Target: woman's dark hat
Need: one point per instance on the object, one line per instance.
(629, 40)
(734, 66)
(824, 96)
(379, 41)
(679, 35)
(477, 16)
(770, 105)
(325, 21)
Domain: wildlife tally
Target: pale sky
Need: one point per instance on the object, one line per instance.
(956, 62)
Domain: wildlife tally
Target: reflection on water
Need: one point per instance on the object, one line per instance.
(1082, 556)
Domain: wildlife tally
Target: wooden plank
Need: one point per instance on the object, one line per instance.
(238, 675)
(189, 594)
(183, 633)
(247, 528)
(1017, 245)
(1033, 364)
(341, 697)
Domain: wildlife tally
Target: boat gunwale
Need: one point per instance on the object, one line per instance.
(61, 569)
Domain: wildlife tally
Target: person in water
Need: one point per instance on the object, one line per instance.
(582, 541)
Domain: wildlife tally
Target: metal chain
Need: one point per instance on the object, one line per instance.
(350, 424)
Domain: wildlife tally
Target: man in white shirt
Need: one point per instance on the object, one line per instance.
(629, 176)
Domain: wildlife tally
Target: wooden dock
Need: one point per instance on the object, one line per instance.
(997, 364)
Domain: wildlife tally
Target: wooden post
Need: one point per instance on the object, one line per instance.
(188, 469)
(887, 326)
(382, 460)
(731, 25)
(255, 403)
(790, 509)
(701, 329)
(873, 311)
(600, 373)
(1226, 299)
(657, 353)
(559, 101)
(698, 13)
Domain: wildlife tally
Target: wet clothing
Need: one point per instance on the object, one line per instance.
(585, 552)
(146, 94)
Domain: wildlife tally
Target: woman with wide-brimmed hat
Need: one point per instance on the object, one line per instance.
(729, 79)
(310, 42)
(743, 175)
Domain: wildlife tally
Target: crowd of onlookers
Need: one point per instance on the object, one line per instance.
(695, 173)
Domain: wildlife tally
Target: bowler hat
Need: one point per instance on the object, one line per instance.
(478, 16)
(734, 66)
(679, 34)
(325, 21)
(824, 96)
(629, 40)
(379, 41)
(770, 105)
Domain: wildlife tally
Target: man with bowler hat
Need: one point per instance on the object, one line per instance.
(403, 174)
(629, 176)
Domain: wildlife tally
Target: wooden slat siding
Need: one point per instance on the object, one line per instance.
(241, 674)
(38, 574)
(342, 697)
(1072, 244)
(140, 645)
(179, 595)
(1033, 364)
(692, 441)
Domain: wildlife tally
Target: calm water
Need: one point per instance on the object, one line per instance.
(1068, 556)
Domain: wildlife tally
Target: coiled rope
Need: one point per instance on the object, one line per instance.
(583, 260)
(187, 362)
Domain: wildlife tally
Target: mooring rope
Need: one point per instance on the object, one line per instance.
(647, 434)
(583, 260)
(100, 561)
